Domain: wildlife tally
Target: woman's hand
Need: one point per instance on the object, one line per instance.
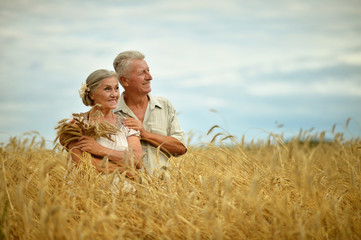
(88, 144)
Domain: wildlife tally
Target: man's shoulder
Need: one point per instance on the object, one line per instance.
(159, 98)
(160, 101)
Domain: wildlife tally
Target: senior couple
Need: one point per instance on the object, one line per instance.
(148, 133)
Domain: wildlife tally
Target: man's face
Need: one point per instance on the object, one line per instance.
(138, 79)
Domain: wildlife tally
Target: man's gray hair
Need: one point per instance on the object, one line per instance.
(122, 61)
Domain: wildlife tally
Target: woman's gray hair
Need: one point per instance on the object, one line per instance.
(122, 61)
(93, 81)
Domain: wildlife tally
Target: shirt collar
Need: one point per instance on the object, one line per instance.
(153, 102)
(122, 106)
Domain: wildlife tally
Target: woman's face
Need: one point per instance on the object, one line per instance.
(107, 93)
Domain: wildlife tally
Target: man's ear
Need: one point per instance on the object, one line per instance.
(123, 81)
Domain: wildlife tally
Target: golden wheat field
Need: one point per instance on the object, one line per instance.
(303, 188)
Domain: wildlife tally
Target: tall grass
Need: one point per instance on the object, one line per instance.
(303, 188)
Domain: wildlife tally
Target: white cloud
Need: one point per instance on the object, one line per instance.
(333, 87)
(351, 58)
(329, 87)
(221, 78)
(21, 106)
(191, 101)
(7, 121)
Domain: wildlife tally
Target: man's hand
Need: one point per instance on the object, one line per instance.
(169, 144)
(134, 124)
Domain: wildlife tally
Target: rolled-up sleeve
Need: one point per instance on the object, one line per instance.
(175, 130)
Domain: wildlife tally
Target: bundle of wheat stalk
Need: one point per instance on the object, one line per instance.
(72, 129)
(272, 189)
(69, 130)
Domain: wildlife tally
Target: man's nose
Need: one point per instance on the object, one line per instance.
(149, 77)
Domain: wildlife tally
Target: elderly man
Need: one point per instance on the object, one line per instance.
(155, 117)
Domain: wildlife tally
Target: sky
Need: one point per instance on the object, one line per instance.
(251, 67)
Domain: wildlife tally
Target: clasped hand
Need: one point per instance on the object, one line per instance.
(88, 144)
(133, 124)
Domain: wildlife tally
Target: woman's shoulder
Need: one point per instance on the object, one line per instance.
(119, 122)
(126, 130)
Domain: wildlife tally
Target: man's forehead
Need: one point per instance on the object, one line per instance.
(140, 64)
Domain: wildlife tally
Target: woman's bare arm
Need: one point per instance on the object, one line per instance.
(121, 158)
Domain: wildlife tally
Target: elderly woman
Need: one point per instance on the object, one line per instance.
(122, 147)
